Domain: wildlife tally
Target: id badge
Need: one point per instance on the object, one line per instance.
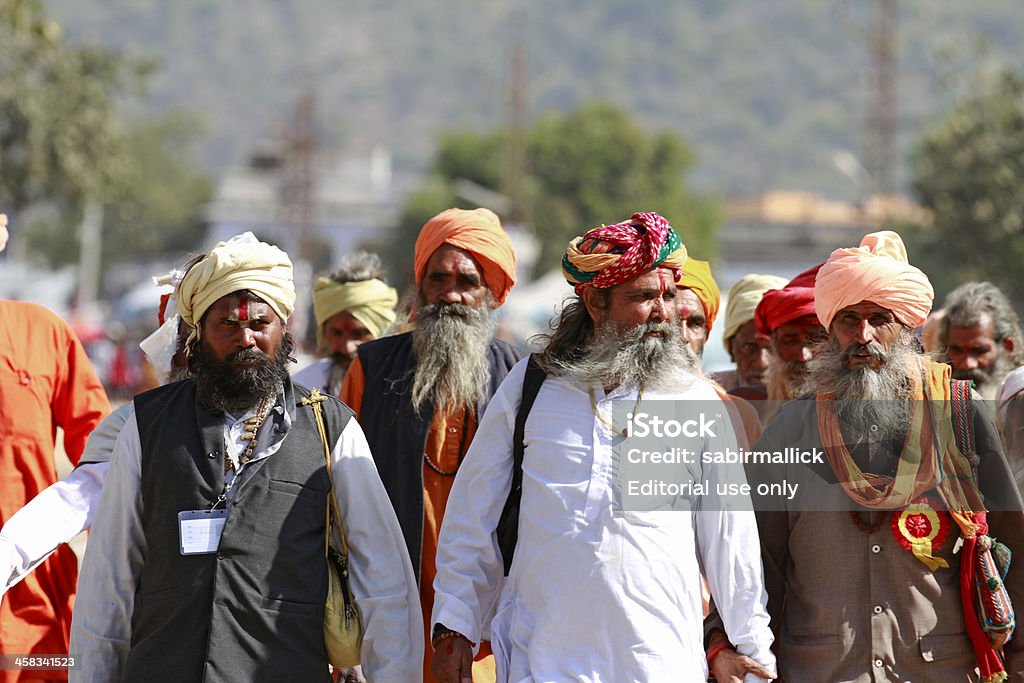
(200, 530)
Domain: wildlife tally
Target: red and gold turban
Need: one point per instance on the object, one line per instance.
(780, 306)
(697, 278)
(480, 233)
(613, 254)
(876, 271)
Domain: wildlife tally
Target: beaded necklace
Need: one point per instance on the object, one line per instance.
(462, 450)
(250, 428)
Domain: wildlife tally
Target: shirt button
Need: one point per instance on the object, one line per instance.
(211, 455)
(451, 430)
(876, 548)
(878, 663)
(874, 428)
(878, 609)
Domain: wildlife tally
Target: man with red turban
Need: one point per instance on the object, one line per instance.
(787, 316)
(874, 570)
(419, 395)
(594, 591)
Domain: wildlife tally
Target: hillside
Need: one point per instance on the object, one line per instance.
(765, 91)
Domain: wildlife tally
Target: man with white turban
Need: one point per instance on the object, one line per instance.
(594, 592)
(207, 557)
(749, 349)
(865, 567)
(352, 305)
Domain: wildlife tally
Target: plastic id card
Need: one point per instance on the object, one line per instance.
(200, 530)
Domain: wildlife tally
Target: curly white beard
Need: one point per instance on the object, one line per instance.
(450, 342)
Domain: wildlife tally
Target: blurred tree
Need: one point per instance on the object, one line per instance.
(588, 166)
(969, 171)
(60, 139)
(63, 143)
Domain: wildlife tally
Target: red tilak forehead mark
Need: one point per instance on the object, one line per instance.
(243, 309)
(662, 281)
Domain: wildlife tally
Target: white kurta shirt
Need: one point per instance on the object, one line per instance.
(380, 572)
(595, 594)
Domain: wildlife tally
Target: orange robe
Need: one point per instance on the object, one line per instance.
(46, 381)
(448, 438)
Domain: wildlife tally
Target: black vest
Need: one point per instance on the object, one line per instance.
(397, 435)
(253, 611)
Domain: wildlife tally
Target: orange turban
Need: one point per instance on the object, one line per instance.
(697, 277)
(876, 271)
(480, 233)
(780, 306)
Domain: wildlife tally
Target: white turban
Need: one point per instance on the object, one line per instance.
(241, 263)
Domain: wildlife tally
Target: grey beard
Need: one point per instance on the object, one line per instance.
(786, 380)
(987, 382)
(864, 396)
(627, 356)
(450, 342)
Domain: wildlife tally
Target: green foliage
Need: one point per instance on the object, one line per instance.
(591, 166)
(969, 171)
(63, 143)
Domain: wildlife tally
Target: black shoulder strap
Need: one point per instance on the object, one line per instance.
(508, 524)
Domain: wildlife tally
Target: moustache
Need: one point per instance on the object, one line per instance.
(875, 351)
(248, 356)
(979, 376)
(448, 310)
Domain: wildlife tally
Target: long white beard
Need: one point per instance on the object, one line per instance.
(450, 342)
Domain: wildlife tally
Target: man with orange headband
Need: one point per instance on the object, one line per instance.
(907, 489)
(595, 590)
(419, 395)
(787, 316)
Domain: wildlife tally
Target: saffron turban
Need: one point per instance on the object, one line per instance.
(743, 298)
(243, 262)
(613, 254)
(480, 233)
(371, 302)
(780, 306)
(876, 271)
(696, 276)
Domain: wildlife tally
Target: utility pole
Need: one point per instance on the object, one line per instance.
(881, 152)
(513, 169)
(298, 182)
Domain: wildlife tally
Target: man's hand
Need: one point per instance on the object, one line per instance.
(730, 666)
(453, 661)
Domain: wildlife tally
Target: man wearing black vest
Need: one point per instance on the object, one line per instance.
(207, 556)
(419, 396)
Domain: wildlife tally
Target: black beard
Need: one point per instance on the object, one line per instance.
(226, 385)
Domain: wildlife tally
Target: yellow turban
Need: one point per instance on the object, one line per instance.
(743, 298)
(371, 302)
(243, 262)
(480, 233)
(876, 271)
(696, 276)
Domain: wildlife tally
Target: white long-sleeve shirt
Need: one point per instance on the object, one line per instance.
(594, 594)
(380, 572)
(61, 511)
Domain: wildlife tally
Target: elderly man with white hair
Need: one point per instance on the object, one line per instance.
(879, 570)
(207, 556)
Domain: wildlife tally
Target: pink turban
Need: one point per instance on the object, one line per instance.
(480, 233)
(780, 306)
(876, 271)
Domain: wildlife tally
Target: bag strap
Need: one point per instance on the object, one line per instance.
(314, 400)
(963, 425)
(508, 523)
